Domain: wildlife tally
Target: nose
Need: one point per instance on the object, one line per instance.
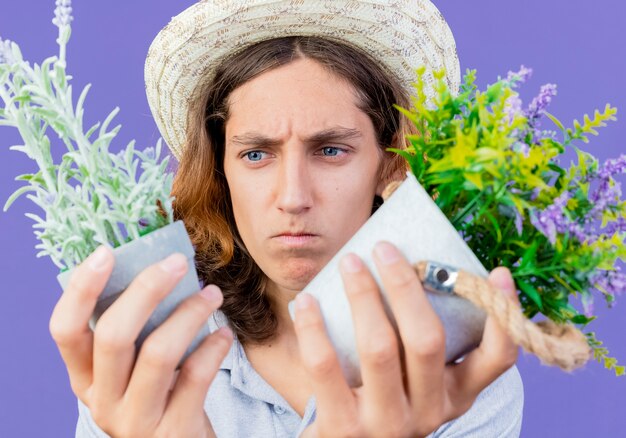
(294, 186)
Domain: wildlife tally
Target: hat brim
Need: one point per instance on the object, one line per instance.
(401, 34)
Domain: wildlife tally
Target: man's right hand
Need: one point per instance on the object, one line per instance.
(132, 394)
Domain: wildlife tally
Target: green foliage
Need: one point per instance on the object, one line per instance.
(496, 179)
(91, 196)
(600, 354)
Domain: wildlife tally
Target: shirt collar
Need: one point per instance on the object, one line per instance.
(242, 375)
(244, 378)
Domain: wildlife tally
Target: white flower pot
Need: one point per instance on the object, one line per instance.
(411, 220)
(131, 258)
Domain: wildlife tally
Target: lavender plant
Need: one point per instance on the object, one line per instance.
(496, 175)
(92, 196)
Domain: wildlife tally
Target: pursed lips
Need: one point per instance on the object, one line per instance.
(294, 233)
(295, 239)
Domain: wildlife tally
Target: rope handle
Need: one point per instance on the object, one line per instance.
(562, 345)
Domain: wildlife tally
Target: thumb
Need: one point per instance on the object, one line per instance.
(502, 280)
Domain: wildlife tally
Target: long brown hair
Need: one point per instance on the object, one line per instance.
(200, 188)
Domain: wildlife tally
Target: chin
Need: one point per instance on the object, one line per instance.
(297, 273)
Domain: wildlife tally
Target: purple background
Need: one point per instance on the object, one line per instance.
(577, 44)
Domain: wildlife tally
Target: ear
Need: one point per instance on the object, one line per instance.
(392, 168)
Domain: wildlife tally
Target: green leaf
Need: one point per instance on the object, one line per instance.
(493, 92)
(45, 75)
(107, 121)
(582, 319)
(407, 155)
(33, 178)
(408, 114)
(531, 293)
(81, 100)
(92, 130)
(556, 121)
(22, 99)
(19, 192)
(47, 114)
(529, 257)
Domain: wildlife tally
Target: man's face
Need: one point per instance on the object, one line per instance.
(300, 158)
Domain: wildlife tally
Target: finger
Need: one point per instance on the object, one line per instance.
(198, 371)
(120, 325)
(377, 345)
(502, 280)
(335, 402)
(421, 331)
(162, 350)
(496, 352)
(69, 323)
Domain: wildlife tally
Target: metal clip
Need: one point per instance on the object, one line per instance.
(440, 277)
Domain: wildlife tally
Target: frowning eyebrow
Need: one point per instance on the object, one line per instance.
(328, 135)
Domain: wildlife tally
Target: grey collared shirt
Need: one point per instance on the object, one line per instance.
(241, 404)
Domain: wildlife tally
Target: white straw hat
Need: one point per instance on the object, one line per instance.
(401, 34)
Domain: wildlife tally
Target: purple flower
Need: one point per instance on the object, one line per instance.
(539, 135)
(62, 13)
(6, 53)
(578, 232)
(539, 104)
(522, 147)
(49, 198)
(612, 167)
(561, 201)
(545, 222)
(518, 222)
(512, 212)
(536, 109)
(121, 154)
(149, 153)
(611, 282)
(607, 193)
(513, 107)
(535, 193)
(587, 300)
(618, 226)
(519, 77)
(554, 219)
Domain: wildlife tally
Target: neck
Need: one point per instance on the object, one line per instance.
(285, 337)
(289, 379)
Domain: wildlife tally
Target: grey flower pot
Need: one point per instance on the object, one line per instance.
(412, 221)
(131, 258)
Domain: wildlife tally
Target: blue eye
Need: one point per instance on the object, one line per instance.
(331, 151)
(256, 154)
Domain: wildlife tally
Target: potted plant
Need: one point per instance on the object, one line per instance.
(487, 189)
(91, 197)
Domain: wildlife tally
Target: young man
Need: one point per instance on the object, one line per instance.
(280, 116)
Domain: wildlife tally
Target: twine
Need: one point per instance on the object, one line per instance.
(562, 345)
